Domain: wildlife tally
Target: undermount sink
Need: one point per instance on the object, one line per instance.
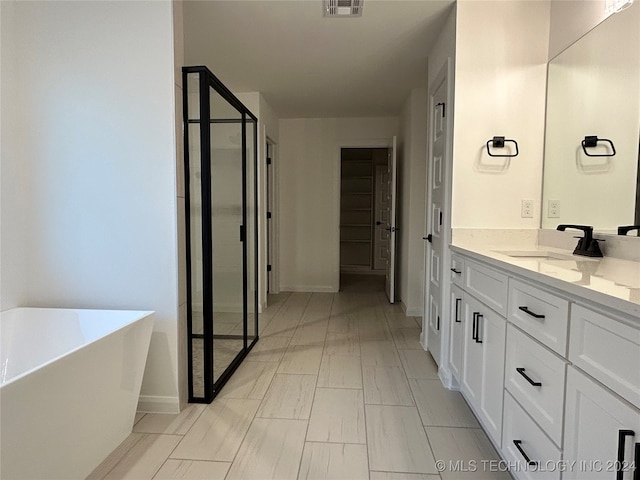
(542, 255)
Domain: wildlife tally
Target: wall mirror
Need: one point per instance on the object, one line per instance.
(593, 90)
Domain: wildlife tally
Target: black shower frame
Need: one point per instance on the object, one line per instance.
(208, 80)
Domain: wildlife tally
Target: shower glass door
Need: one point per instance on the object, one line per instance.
(221, 221)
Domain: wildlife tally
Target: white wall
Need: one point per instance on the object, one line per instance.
(501, 56)
(309, 180)
(91, 172)
(412, 175)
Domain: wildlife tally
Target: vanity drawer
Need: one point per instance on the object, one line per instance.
(519, 427)
(607, 349)
(528, 362)
(487, 285)
(457, 269)
(541, 314)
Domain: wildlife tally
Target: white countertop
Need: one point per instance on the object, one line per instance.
(611, 283)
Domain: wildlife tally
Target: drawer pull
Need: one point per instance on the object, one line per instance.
(457, 317)
(520, 370)
(457, 272)
(478, 328)
(530, 462)
(622, 437)
(534, 315)
(473, 328)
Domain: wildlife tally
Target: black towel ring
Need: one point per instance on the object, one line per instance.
(498, 142)
(591, 141)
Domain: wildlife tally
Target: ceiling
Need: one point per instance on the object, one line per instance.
(306, 65)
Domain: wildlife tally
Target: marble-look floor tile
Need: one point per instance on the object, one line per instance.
(145, 458)
(340, 371)
(466, 445)
(312, 333)
(138, 417)
(217, 434)
(379, 354)
(289, 396)
(271, 450)
(441, 407)
(402, 476)
(373, 329)
(301, 359)
(192, 470)
(343, 323)
(269, 349)
(284, 324)
(334, 461)
(167, 423)
(399, 320)
(407, 338)
(114, 457)
(396, 440)
(418, 364)
(342, 344)
(337, 416)
(386, 386)
(250, 380)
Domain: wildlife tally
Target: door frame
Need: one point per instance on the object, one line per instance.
(272, 230)
(337, 172)
(445, 75)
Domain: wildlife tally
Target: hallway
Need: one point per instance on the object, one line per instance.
(338, 387)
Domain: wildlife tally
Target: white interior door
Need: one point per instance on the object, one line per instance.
(391, 226)
(436, 187)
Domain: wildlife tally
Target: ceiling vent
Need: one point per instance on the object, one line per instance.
(342, 8)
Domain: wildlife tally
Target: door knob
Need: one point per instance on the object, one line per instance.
(428, 238)
(378, 222)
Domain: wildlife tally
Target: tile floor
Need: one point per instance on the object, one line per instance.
(338, 387)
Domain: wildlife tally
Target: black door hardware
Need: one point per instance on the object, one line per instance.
(478, 328)
(457, 272)
(498, 142)
(473, 326)
(457, 317)
(591, 141)
(428, 238)
(438, 323)
(520, 370)
(443, 107)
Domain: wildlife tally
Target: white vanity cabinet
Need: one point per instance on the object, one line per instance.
(483, 346)
(456, 336)
(553, 377)
(601, 429)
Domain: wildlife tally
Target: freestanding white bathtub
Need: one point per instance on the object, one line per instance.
(70, 385)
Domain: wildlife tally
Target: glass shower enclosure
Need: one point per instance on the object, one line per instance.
(220, 136)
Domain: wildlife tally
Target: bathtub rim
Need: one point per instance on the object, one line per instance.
(140, 315)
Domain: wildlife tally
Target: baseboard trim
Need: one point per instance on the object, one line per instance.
(157, 404)
(308, 288)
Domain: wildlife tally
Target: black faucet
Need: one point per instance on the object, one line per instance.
(587, 245)
(627, 229)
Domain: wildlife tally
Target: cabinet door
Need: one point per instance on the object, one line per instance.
(597, 425)
(471, 384)
(456, 337)
(492, 330)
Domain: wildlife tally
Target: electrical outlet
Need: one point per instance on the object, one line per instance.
(553, 210)
(527, 209)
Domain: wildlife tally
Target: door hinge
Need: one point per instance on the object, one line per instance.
(268, 160)
(268, 214)
(268, 268)
(440, 217)
(242, 233)
(443, 108)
